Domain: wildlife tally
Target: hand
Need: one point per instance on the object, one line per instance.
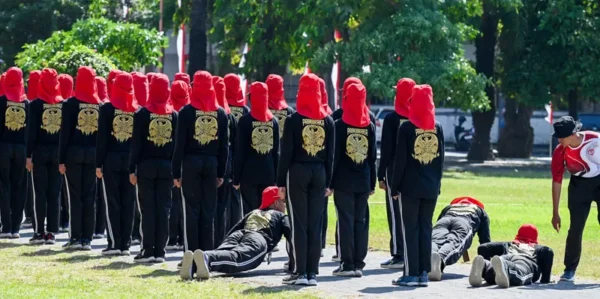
(133, 179)
(220, 182)
(372, 192)
(237, 187)
(382, 185)
(62, 169)
(556, 222)
(29, 165)
(177, 183)
(328, 192)
(282, 192)
(99, 173)
(396, 197)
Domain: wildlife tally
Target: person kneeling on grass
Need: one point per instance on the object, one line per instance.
(453, 233)
(520, 262)
(247, 243)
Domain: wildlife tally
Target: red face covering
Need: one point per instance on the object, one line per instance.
(467, 200)
(182, 77)
(347, 83)
(233, 90)
(180, 94)
(324, 98)
(122, 96)
(102, 89)
(85, 85)
(66, 85)
(527, 234)
(13, 85)
(111, 80)
(356, 113)
(404, 90)
(260, 102)
(203, 95)
(32, 85)
(158, 97)
(422, 109)
(219, 85)
(140, 87)
(49, 87)
(276, 97)
(308, 99)
(151, 76)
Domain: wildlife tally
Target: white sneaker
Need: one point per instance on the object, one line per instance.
(436, 267)
(125, 253)
(5, 235)
(475, 278)
(172, 247)
(186, 265)
(502, 279)
(202, 271)
(159, 259)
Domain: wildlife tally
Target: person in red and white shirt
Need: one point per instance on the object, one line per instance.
(579, 153)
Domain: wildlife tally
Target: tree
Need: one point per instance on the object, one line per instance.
(198, 36)
(146, 13)
(69, 61)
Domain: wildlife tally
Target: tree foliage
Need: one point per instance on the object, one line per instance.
(69, 61)
(146, 13)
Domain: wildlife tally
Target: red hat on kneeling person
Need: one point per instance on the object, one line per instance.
(527, 234)
(467, 200)
(269, 196)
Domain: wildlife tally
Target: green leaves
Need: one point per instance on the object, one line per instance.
(69, 61)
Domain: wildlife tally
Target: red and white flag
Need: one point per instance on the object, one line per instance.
(181, 45)
(549, 118)
(243, 81)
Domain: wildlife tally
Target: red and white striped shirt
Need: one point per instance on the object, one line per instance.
(583, 161)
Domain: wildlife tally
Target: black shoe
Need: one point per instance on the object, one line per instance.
(73, 244)
(159, 259)
(340, 271)
(296, 279)
(86, 244)
(98, 236)
(28, 220)
(135, 241)
(144, 258)
(172, 246)
(50, 239)
(111, 251)
(393, 263)
(37, 239)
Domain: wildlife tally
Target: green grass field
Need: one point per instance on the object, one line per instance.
(510, 200)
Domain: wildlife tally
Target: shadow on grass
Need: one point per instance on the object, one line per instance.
(279, 259)
(117, 265)
(6, 245)
(561, 286)
(159, 273)
(453, 276)
(81, 258)
(173, 258)
(385, 289)
(253, 273)
(381, 271)
(271, 289)
(43, 252)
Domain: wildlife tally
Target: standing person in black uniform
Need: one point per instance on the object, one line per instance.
(199, 161)
(42, 157)
(32, 94)
(277, 103)
(391, 123)
(304, 177)
(140, 88)
(150, 168)
(104, 93)
(14, 108)
(324, 222)
(237, 105)
(354, 180)
(258, 149)
(454, 231)
(520, 262)
(66, 89)
(77, 156)
(416, 183)
(115, 129)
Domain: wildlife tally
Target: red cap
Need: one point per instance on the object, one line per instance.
(85, 85)
(467, 200)
(276, 95)
(259, 100)
(182, 77)
(324, 98)
(13, 85)
(356, 113)
(140, 87)
(527, 234)
(180, 94)
(349, 81)
(122, 96)
(66, 85)
(404, 89)
(269, 196)
(158, 95)
(32, 85)
(49, 87)
(233, 90)
(422, 109)
(203, 95)
(219, 85)
(102, 89)
(308, 99)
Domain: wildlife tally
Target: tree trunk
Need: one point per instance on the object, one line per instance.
(516, 139)
(198, 37)
(572, 98)
(485, 44)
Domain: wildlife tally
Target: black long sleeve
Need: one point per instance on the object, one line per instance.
(286, 153)
(3, 101)
(241, 144)
(544, 257)
(79, 126)
(258, 146)
(136, 141)
(400, 161)
(484, 228)
(33, 126)
(223, 142)
(232, 123)
(391, 123)
(354, 159)
(330, 147)
(67, 126)
(14, 121)
(153, 137)
(104, 129)
(373, 158)
(181, 139)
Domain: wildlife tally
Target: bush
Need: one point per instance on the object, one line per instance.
(68, 62)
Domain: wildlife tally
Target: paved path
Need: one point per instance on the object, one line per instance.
(377, 281)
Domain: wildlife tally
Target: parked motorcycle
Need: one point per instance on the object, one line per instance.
(463, 137)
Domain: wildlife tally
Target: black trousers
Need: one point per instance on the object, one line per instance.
(236, 209)
(46, 183)
(417, 228)
(13, 186)
(240, 251)
(353, 226)
(252, 196)
(100, 224)
(306, 189)
(154, 199)
(199, 188)
(522, 270)
(175, 219)
(64, 204)
(451, 237)
(119, 196)
(81, 191)
(136, 233)
(221, 214)
(394, 219)
(582, 192)
(324, 226)
(29, 200)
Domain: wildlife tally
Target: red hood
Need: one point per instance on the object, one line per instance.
(269, 196)
(182, 77)
(102, 89)
(467, 200)
(158, 95)
(122, 96)
(356, 113)
(203, 95)
(219, 85)
(308, 99)
(527, 234)
(66, 85)
(233, 90)
(111, 80)
(347, 83)
(49, 87)
(85, 85)
(180, 94)
(422, 109)
(13, 85)
(276, 95)
(259, 100)
(140, 87)
(324, 98)
(32, 85)
(151, 76)
(404, 90)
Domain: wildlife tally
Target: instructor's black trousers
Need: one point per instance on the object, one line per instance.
(416, 221)
(451, 237)
(240, 251)
(119, 196)
(352, 228)
(46, 184)
(199, 187)
(175, 219)
(306, 190)
(81, 190)
(154, 199)
(394, 219)
(100, 224)
(235, 209)
(13, 184)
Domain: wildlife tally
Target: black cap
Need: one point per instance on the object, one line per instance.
(565, 127)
